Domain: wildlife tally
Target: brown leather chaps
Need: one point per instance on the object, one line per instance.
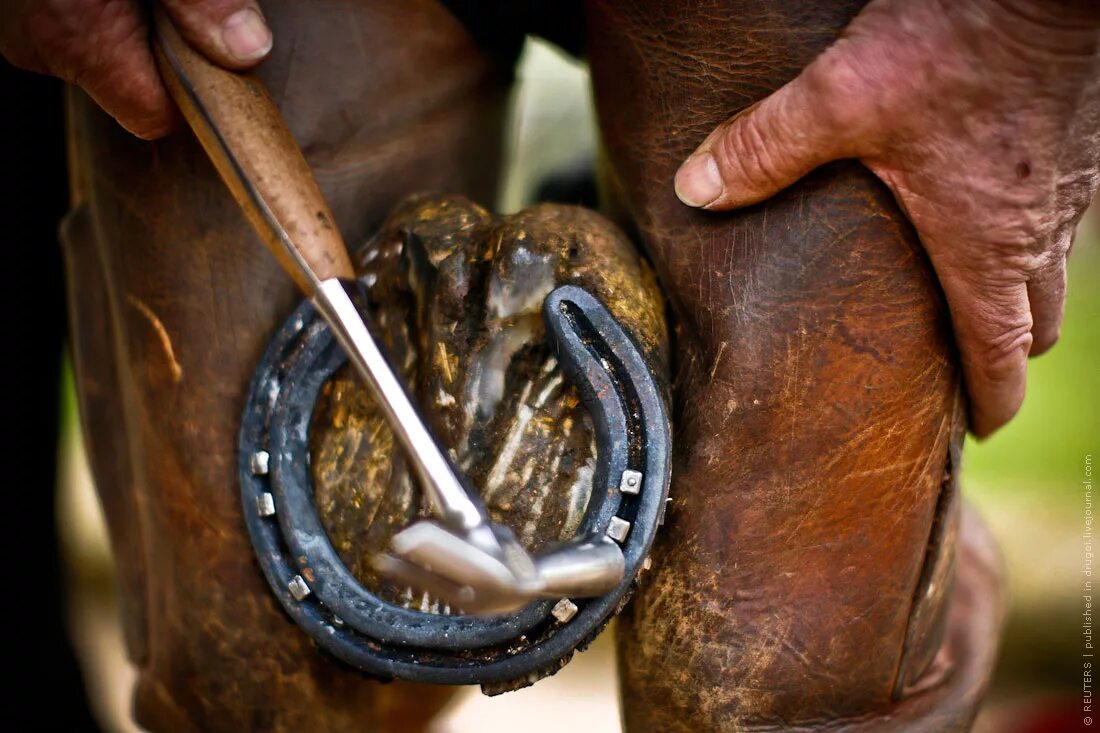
(817, 571)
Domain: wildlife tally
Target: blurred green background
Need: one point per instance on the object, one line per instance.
(1027, 482)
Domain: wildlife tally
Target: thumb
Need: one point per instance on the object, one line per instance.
(232, 33)
(768, 146)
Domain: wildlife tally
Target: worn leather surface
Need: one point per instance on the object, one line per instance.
(173, 302)
(804, 580)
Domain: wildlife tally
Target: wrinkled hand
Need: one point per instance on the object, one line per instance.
(983, 118)
(103, 47)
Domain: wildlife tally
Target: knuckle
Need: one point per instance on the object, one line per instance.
(745, 153)
(1029, 220)
(81, 39)
(19, 45)
(1049, 273)
(840, 89)
(203, 12)
(1021, 228)
(1045, 338)
(1020, 239)
(1001, 356)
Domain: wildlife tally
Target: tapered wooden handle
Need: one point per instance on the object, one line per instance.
(245, 136)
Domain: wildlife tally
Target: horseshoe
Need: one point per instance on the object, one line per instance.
(630, 489)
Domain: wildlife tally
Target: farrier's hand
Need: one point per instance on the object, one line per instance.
(983, 118)
(103, 47)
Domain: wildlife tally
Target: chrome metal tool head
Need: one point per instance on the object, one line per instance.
(492, 575)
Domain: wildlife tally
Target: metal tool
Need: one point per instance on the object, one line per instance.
(462, 556)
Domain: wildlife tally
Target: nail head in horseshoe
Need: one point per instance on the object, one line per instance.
(343, 617)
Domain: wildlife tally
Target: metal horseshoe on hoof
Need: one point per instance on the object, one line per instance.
(630, 488)
(522, 616)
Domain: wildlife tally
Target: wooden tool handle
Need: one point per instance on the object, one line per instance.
(245, 136)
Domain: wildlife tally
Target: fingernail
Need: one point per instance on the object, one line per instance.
(698, 182)
(246, 36)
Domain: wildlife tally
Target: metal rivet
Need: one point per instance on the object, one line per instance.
(298, 588)
(631, 482)
(265, 505)
(564, 610)
(259, 463)
(618, 528)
